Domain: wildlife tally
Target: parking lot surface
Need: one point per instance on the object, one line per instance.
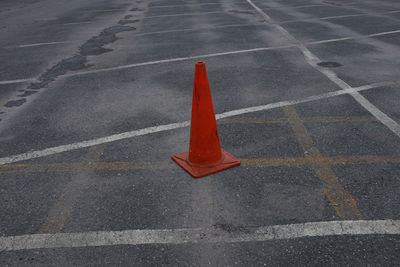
(95, 97)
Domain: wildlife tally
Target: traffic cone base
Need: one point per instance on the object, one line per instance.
(196, 170)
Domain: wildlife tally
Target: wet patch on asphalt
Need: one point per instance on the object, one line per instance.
(329, 64)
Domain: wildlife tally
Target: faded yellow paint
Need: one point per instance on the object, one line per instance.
(316, 119)
(341, 200)
(61, 209)
(245, 162)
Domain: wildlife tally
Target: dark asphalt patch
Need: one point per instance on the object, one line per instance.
(15, 103)
(27, 93)
(73, 63)
(94, 46)
(127, 21)
(329, 64)
(136, 9)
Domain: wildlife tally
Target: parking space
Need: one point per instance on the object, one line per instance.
(97, 100)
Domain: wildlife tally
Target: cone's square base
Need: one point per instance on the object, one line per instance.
(227, 161)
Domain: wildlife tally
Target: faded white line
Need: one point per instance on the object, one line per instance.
(198, 235)
(175, 60)
(292, 7)
(282, 22)
(313, 60)
(41, 44)
(218, 27)
(18, 81)
(194, 14)
(201, 28)
(202, 4)
(172, 126)
(121, 67)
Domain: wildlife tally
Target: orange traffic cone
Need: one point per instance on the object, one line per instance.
(205, 155)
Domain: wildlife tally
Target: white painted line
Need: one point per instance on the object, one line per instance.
(194, 14)
(172, 126)
(18, 81)
(383, 33)
(121, 67)
(382, 117)
(292, 7)
(282, 22)
(41, 44)
(351, 38)
(394, 11)
(313, 60)
(322, 18)
(174, 60)
(202, 28)
(192, 5)
(206, 235)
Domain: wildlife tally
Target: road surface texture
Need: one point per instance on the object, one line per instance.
(95, 97)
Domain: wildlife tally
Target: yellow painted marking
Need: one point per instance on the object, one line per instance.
(316, 119)
(61, 209)
(245, 162)
(344, 204)
(329, 119)
(245, 120)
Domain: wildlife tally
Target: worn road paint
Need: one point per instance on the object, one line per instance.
(313, 60)
(206, 235)
(172, 126)
(341, 200)
(245, 162)
(128, 66)
(316, 119)
(61, 209)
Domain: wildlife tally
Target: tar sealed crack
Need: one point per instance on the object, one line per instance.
(94, 46)
(127, 21)
(73, 63)
(15, 103)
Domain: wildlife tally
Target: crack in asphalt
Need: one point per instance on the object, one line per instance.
(92, 47)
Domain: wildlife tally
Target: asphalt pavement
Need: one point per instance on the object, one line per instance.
(95, 98)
